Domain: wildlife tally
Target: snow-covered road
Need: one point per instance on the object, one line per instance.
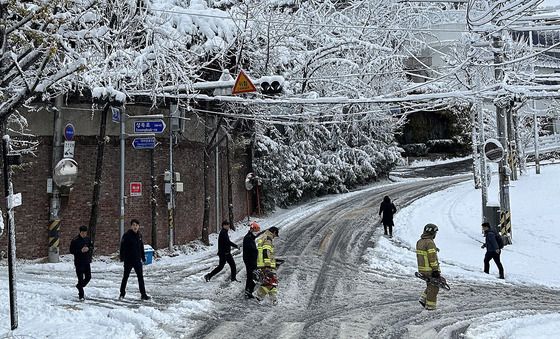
(341, 279)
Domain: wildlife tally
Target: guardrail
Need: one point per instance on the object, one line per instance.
(547, 143)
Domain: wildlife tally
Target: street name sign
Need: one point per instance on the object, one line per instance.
(144, 143)
(149, 126)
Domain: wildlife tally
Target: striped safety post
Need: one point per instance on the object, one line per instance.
(54, 240)
(505, 225)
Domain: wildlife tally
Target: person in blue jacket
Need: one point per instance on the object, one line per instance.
(493, 247)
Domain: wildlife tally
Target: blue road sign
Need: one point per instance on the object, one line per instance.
(69, 132)
(149, 126)
(144, 143)
(115, 114)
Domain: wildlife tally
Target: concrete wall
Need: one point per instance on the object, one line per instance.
(32, 218)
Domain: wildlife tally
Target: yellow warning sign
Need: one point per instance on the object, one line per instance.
(243, 84)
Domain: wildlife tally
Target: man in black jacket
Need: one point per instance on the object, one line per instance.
(132, 253)
(493, 249)
(250, 253)
(81, 247)
(224, 253)
(388, 209)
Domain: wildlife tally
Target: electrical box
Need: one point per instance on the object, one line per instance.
(177, 118)
(167, 188)
(49, 185)
(177, 177)
(167, 176)
(178, 187)
(492, 215)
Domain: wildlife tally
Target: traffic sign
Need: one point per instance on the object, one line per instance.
(243, 84)
(135, 189)
(149, 126)
(115, 114)
(69, 149)
(69, 132)
(144, 143)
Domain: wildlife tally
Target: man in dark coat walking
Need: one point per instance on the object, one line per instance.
(132, 254)
(388, 209)
(250, 253)
(81, 247)
(224, 253)
(493, 249)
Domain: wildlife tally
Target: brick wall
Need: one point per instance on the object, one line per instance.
(32, 218)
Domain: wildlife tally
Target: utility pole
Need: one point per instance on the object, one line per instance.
(483, 167)
(8, 160)
(143, 132)
(122, 201)
(218, 210)
(535, 118)
(54, 215)
(171, 203)
(153, 201)
(501, 122)
(536, 137)
(511, 141)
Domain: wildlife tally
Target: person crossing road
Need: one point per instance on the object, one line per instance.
(266, 262)
(250, 254)
(224, 253)
(428, 265)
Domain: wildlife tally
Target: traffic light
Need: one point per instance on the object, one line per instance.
(271, 87)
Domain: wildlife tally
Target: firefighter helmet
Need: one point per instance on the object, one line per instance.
(430, 229)
(254, 227)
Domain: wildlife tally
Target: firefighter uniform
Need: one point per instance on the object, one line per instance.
(428, 265)
(266, 262)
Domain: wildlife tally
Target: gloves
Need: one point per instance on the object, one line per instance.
(435, 274)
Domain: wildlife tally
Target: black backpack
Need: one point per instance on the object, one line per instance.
(500, 241)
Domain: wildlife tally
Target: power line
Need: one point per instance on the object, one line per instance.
(303, 24)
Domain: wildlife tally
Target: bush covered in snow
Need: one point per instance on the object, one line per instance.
(306, 161)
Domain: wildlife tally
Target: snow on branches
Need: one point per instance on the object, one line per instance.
(349, 49)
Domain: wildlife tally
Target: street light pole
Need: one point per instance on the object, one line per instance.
(123, 119)
(122, 171)
(171, 203)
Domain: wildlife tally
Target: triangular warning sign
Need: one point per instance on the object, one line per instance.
(243, 84)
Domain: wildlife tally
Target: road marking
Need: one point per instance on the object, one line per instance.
(226, 329)
(291, 330)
